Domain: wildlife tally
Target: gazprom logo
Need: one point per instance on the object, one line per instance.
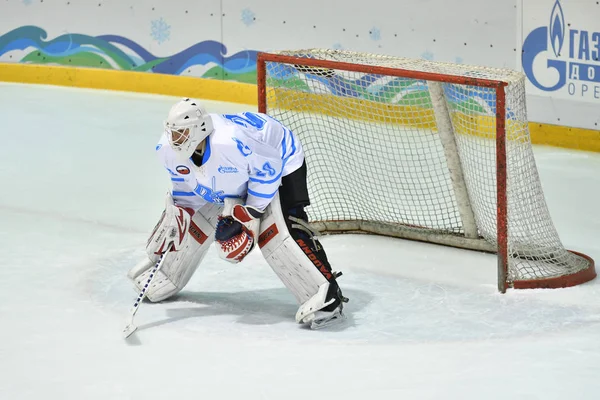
(572, 57)
(557, 28)
(227, 170)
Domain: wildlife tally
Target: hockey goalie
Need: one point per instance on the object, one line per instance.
(239, 180)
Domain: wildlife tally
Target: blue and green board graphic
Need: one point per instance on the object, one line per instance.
(121, 53)
(398, 91)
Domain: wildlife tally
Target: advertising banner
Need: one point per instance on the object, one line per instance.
(561, 49)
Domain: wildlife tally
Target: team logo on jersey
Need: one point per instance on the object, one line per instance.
(158, 146)
(211, 195)
(182, 169)
(227, 170)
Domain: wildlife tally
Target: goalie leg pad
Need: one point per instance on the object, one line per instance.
(180, 265)
(299, 261)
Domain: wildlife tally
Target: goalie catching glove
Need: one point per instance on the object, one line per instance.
(237, 230)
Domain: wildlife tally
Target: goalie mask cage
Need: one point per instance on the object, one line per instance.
(421, 150)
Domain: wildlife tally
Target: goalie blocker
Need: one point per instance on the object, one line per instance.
(289, 245)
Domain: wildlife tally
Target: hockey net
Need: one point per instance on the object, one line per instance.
(421, 150)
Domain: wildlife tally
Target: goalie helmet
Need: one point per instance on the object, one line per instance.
(187, 125)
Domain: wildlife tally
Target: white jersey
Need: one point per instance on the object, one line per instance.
(246, 156)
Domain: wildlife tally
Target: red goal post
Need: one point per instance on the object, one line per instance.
(306, 90)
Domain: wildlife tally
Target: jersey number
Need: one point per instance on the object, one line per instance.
(247, 119)
(267, 169)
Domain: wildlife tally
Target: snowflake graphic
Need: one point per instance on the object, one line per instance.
(375, 34)
(160, 31)
(248, 17)
(27, 2)
(427, 55)
(337, 46)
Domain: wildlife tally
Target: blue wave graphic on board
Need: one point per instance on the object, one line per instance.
(118, 52)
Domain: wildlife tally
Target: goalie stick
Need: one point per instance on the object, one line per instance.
(131, 327)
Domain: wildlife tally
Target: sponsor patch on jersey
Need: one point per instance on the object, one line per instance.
(158, 146)
(228, 170)
(182, 169)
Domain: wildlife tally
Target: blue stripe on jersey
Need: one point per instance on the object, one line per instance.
(178, 193)
(284, 144)
(267, 182)
(263, 195)
(178, 179)
(171, 172)
(206, 155)
(207, 151)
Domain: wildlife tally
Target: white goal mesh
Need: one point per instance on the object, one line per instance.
(393, 153)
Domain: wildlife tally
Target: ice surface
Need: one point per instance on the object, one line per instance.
(82, 188)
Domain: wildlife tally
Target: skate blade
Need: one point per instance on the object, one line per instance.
(336, 319)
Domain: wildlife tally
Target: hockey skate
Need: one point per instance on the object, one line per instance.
(323, 319)
(330, 314)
